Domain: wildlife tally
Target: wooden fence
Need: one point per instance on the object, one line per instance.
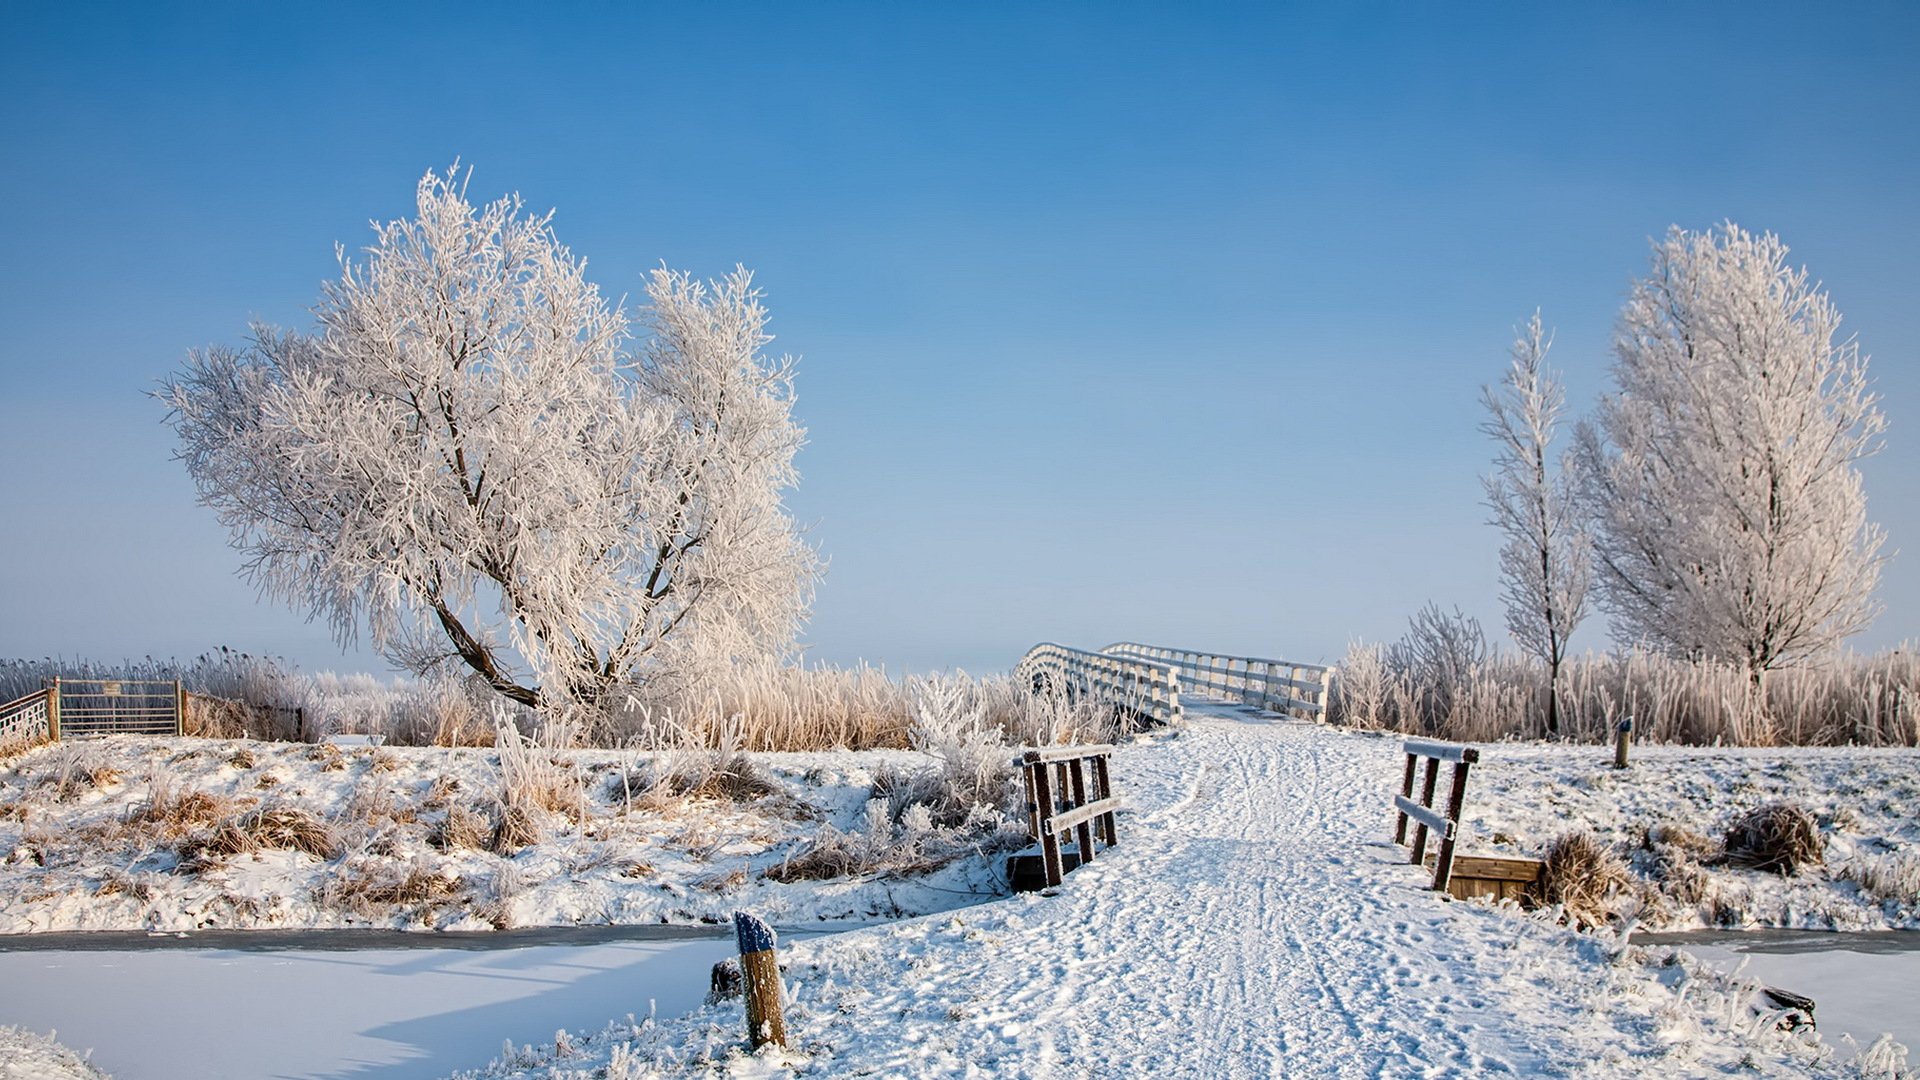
(1139, 687)
(1280, 686)
(1446, 825)
(1069, 793)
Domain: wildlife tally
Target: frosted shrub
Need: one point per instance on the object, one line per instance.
(1363, 688)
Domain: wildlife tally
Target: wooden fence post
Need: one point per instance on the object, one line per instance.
(760, 968)
(1426, 800)
(179, 708)
(1623, 734)
(1456, 801)
(53, 710)
(1406, 791)
(1043, 798)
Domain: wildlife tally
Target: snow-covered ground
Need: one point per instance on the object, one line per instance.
(83, 847)
(1866, 802)
(1253, 923)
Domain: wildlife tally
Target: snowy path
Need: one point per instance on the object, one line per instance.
(1253, 923)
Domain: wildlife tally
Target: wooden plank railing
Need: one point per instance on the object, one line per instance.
(29, 720)
(1281, 686)
(1445, 825)
(1069, 793)
(1139, 687)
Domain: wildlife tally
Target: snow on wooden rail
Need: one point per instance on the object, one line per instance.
(1444, 825)
(1281, 686)
(1069, 794)
(1142, 688)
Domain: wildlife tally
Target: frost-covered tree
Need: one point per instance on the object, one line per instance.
(466, 456)
(1730, 522)
(1544, 566)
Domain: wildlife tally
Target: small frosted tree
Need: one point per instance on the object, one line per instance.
(1544, 567)
(465, 456)
(1730, 522)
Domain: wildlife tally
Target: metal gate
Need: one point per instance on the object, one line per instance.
(116, 706)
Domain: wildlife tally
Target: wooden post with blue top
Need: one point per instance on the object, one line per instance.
(760, 967)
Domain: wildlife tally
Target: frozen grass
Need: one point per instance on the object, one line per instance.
(1471, 696)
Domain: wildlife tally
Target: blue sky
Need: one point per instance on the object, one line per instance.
(1116, 321)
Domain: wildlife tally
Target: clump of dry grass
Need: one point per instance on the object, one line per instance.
(462, 828)
(532, 777)
(282, 828)
(1781, 836)
(834, 855)
(1585, 877)
(172, 815)
(76, 772)
(729, 777)
(441, 792)
(517, 828)
(1677, 857)
(368, 889)
(242, 758)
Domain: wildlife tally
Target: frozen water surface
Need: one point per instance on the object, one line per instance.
(161, 1013)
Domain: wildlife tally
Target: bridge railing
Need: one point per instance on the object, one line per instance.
(1281, 686)
(1139, 686)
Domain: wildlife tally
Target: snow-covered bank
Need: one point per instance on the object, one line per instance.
(1667, 811)
(184, 834)
(27, 1055)
(1252, 922)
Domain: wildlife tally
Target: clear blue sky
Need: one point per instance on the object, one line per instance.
(1117, 321)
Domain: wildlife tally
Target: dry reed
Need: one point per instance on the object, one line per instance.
(1848, 700)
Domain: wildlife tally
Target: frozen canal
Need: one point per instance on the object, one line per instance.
(1862, 984)
(152, 1010)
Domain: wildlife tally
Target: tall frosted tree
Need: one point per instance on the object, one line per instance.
(1721, 475)
(466, 456)
(1544, 566)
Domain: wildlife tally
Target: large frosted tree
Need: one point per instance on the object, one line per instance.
(466, 456)
(1544, 566)
(1730, 521)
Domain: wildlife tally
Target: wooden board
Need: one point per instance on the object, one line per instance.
(1495, 877)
